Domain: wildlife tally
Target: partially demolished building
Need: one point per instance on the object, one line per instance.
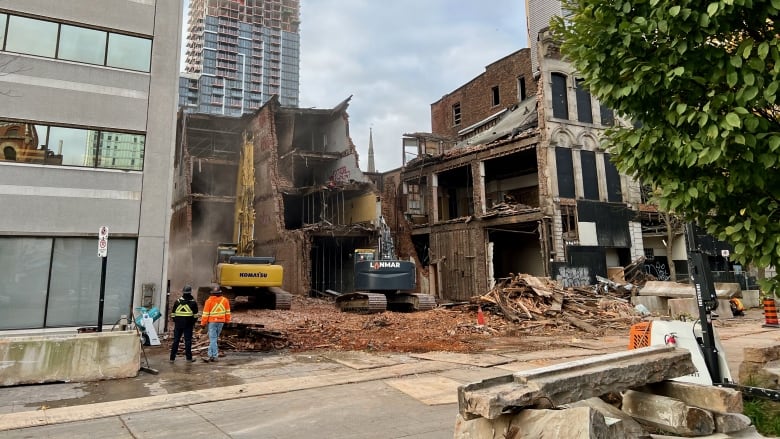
(313, 204)
(513, 180)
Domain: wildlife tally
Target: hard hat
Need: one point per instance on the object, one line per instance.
(187, 289)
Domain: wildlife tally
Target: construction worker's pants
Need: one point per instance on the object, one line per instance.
(214, 329)
(182, 329)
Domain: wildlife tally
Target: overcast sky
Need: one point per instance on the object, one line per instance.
(397, 57)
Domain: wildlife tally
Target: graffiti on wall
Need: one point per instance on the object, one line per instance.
(657, 269)
(340, 175)
(573, 276)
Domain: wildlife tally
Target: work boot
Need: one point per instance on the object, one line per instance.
(191, 360)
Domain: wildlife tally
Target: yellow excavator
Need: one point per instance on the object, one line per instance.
(238, 272)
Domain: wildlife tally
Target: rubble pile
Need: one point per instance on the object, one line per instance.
(522, 307)
(533, 302)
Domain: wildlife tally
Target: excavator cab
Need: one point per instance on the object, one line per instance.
(224, 252)
(364, 254)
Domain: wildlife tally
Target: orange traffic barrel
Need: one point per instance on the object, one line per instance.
(770, 313)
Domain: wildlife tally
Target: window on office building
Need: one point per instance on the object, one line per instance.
(55, 282)
(81, 44)
(129, 52)
(74, 43)
(34, 37)
(3, 21)
(54, 145)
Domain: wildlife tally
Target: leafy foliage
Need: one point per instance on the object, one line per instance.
(702, 77)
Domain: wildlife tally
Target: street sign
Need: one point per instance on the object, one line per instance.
(103, 242)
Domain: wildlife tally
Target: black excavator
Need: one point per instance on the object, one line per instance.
(383, 282)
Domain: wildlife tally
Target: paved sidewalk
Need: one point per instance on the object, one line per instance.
(324, 394)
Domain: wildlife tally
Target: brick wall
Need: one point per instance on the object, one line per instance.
(476, 96)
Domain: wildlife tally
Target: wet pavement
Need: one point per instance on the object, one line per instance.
(280, 394)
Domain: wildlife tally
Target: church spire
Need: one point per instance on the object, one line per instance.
(371, 167)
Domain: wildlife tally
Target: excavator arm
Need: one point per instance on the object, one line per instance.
(244, 222)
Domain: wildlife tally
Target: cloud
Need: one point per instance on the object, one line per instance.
(398, 57)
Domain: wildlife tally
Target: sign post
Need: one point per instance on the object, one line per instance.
(103, 255)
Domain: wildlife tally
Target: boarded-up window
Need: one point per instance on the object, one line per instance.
(584, 108)
(590, 181)
(607, 116)
(614, 189)
(565, 169)
(560, 102)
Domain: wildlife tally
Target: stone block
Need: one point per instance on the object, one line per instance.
(731, 422)
(713, 398)
(724, 290)
(668, 414)
(751, 298)
(619, 423)
(688, 307)
(69, 358)
(573, 381)
(577, 422)
(760, 367)
(656, 305)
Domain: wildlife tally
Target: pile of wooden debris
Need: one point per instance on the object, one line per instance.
(532, 301)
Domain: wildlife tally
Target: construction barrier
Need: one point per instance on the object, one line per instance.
(770, 313)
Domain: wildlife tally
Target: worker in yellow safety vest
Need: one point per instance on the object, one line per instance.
(184, 311)
(216, 312)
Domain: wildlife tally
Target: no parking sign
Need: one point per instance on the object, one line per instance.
(103, 242)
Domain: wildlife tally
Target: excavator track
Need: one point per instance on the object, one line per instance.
(361, 302)
(282, 299)
(410, 302)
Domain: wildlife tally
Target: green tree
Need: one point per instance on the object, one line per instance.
(702, 78)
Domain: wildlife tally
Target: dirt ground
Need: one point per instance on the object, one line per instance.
(316, 324)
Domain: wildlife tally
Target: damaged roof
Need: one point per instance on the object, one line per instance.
(511, 121)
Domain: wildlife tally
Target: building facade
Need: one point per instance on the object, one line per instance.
(87, 110)
(239, 53)
(313, 205)
(513, 179)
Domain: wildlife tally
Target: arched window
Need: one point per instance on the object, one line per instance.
(560, 101)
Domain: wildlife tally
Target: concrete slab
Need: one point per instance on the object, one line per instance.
(430, 390)
(21, 398)
(102, 428)
(481, 360)
(178, 421)
(360, 360)
(159, 402)
(555, 354)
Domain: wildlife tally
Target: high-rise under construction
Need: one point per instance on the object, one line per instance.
(238, 54)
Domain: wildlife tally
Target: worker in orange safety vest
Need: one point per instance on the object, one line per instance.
(216, 312)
